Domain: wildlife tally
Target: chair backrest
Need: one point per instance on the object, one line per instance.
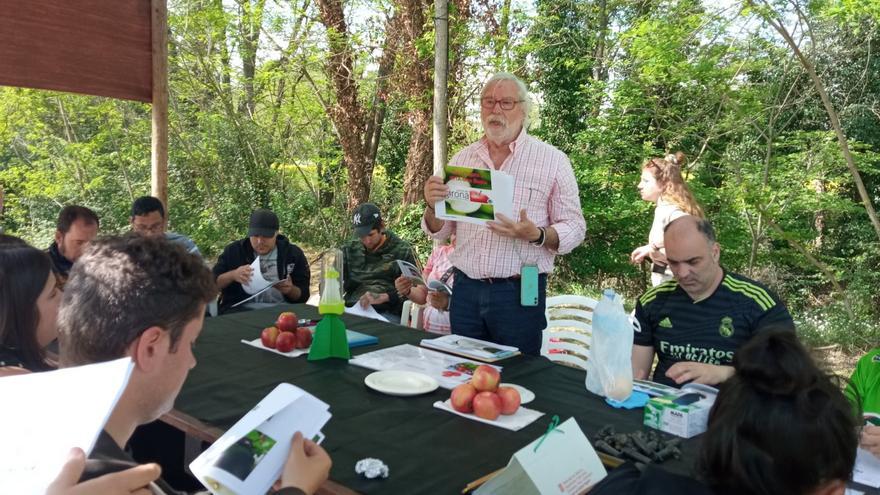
(568, 335)
(411, 315)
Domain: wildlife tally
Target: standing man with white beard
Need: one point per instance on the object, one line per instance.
(491, 262)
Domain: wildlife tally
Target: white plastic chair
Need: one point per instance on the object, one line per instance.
(411, 315)
(568, 335)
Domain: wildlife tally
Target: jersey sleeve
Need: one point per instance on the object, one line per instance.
(646, 336)
(776, 317)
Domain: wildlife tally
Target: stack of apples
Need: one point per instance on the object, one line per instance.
(286, 336)
(483, 397)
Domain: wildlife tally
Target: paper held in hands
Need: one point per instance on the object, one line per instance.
(251, 455)
(411, 272)
(257, 282)
(476, 195)
(560, 461)
(49, 413)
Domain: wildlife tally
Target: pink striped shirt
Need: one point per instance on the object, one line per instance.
(545, 187)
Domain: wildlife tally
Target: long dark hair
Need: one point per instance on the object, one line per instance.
(780, 425)
(23, 273)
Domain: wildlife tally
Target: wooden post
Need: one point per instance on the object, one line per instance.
(441, 70)
(159, 149)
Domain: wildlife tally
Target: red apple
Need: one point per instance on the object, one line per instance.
(287, 321)
(487, 405)
(486, 378)
(510, 399)
(286, 341)
(462, 398)
(303, 338)
(269, 336)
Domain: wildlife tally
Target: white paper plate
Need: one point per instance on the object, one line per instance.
(525, 395)
(400, 383)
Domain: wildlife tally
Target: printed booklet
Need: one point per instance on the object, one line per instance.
(449, 371)
(412, 272)
(472, 348)
(476, 195)
(250, 456)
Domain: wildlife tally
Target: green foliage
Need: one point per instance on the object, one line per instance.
(616, 82)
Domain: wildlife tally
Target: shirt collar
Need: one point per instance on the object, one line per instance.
(519, 141)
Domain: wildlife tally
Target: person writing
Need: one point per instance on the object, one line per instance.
(779, 426)
(696, 322)
(863, 391)
(661, 183)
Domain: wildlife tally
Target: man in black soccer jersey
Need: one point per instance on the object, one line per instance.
(697, 321)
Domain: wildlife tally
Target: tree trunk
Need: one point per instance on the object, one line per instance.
(417, 86)
(346, 113)
(250, 24)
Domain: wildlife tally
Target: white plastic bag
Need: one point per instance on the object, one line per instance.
(609, 367)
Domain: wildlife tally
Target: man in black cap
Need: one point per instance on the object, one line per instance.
(371, 263)
(281, 263)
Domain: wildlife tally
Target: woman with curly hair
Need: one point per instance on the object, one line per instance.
(661, 183)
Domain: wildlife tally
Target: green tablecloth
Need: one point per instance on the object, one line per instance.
(426, 449)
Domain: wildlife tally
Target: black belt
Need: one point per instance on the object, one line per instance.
(494, 280)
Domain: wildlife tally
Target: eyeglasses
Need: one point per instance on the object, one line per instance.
(506, 104)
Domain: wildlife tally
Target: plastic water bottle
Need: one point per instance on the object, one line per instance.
(609, 367)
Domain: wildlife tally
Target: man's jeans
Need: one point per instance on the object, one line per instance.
(490, 310)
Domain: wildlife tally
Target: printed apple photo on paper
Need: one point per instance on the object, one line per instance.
(242, 457)
(467, 192)
(459, 369)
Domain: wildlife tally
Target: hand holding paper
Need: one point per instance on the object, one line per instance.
(307, 466)
(243, 274)
(255, 282)
(131, 481)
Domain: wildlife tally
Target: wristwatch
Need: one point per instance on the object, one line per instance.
(542, 236)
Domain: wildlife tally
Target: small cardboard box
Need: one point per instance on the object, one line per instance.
(684, 413)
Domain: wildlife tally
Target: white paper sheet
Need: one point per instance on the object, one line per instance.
(867, 469)
(449, 371)
(257, 282)
(368, 312)
(513, 422)
(47, 414)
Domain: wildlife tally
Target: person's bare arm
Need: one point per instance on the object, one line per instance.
(642, 359)
(241, 275)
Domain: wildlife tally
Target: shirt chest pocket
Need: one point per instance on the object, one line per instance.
(534, 200)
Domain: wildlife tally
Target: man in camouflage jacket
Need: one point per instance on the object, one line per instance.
(371, 263)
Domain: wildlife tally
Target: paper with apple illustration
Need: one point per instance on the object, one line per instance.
(476, 195)
(449, 371)
(250, 456)
(513, 422)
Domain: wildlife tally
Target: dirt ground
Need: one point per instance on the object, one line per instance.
(836, 361)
